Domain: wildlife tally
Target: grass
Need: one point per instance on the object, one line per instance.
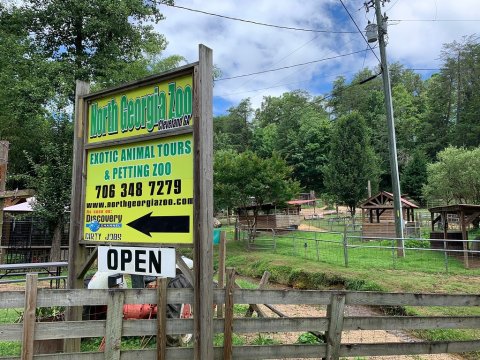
(378, 254)
(295, 269)
(10, 348)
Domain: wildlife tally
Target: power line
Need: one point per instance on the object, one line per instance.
(360, 31)
(438, 20)
(279, 85)
(260, 23)
(290, 66)
(391, 7)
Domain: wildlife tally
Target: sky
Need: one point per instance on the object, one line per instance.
(241, 48)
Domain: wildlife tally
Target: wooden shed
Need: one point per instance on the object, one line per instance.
(452, 222)
(378, 215)
(270, 217)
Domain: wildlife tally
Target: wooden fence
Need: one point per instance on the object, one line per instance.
(114, 328)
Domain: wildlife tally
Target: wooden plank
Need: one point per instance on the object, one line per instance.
(255, 352)
(186, 271)
(85, 329)
(335, 314)
(76, 253)
(297, 324)
(408, 323)
(113, 331)
(203, 205)
(386, 349)
(228, 323)
(162, 318)
(79, 297)
(254, 307)
(221, 268)
(88, 263)
(286, 351)
(28, 333)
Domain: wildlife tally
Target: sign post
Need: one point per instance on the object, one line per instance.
(144, 177)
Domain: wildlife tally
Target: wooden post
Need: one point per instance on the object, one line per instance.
(465, 240)
(186, 271)
(221, 268)
(76, 252)
(29, 317)
(254, 307)
(228, 324)
(203, 206)
(3, 180)
(161, 318)
(345, 247)
(113, 331)
(335, 313)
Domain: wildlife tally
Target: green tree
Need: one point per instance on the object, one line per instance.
(51, 180)
(99, 41)
(455, 177)
(234, 129)
(297, 127)
(414, 175)
(24, 75)
(245, 179)
(368, 99)
(351, 162)
(96, 40)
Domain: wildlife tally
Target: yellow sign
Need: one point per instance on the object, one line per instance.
(140, 192)
(141, 111)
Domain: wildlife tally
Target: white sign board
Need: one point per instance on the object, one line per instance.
(137, 260)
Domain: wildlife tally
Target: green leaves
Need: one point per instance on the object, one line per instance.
(245, 179)
(455, 177)
(351, 161)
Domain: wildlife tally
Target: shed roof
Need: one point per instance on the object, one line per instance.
(384, 200)
(466, 208)
(22, 207)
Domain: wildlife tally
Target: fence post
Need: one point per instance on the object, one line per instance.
(335, 313)
(228, 322)
(28, 335)
(113, 331)
(161, 318)
(393, 253)
(221, 268)
(316, 246)
(294, 244)
(445, 255)
(345, 246)
(274, 241)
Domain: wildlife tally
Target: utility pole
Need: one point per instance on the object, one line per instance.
(392, 144)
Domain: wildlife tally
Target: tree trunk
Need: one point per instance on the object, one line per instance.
(55, 251)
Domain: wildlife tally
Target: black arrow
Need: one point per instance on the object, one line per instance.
(161, 224)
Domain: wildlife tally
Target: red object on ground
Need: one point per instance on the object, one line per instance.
(139, 311)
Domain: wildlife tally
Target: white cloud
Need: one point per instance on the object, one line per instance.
(242, 48)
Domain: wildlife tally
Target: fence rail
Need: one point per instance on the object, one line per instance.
(332, 325)
(350, 249)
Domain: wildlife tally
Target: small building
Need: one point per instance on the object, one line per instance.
(270, 217)
(451, 222)
(26, 239)
(378, 215)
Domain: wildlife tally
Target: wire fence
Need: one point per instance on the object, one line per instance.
(350, 249)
